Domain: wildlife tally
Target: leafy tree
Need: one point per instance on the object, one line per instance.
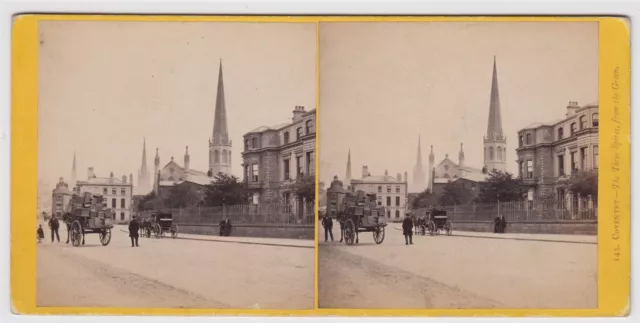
(225, 190)
(305, 187)
(181, 196)
(150, 202)
(423, 199)
(322, 195)
(584, 183)
(500, 185)
(455, 193)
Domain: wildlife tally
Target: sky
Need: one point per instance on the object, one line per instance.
(382, 85)
(105, 86)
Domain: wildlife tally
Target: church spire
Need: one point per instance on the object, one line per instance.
(348, 176)
(494, 126)
(73, 170)
(419, 161)
(144, 154)
(220, 132)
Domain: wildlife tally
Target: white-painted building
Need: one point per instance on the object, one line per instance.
(117, 193)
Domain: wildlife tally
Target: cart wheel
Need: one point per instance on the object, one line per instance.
(432, 228)
(76, 233)
(378, 235)
(349, 232)
(174, 231)
(448, 228)
(157, 230)
(105, 236)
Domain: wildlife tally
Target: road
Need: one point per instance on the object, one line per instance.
(473, 271)
(176, 273)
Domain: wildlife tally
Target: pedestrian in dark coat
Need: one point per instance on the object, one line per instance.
(40, 233)
(407, 229)
(327, 224)
(227, 224)
(134, 226)
(54, 225)
(503, 224)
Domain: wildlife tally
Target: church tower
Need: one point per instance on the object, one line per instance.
(220, 145)
(73, 171)
(431, 170)
(461, 157)
(187, 161)
(347, 178)
(144, 180)
(495, 143)
(419, 177)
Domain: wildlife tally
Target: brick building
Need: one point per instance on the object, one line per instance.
(274, 157)
(549, 153)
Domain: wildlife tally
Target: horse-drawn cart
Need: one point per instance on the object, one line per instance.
(360, 213)
(438, 220)
(162, 223)
(87, 214)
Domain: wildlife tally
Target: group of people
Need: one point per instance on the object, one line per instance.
(225, 227)
(500, 224)
(54, 226)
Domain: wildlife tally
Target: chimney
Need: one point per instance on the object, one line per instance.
(90, 173)
(124, 179)
(298, 111)
(111, 177)
(571, 108)
(365, 171)
(130, 179)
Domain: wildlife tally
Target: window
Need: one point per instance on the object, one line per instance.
(397, 200)
(122, 216)
(224, 156)
(379, 200)
(298, 133)
(529, 168)
(379, 189)
(397, 214)
(583, 158)
(286, 137)
(528, 139)
(299, 166)
(491, 153)
(560, 133)
(311, 163)
(309, 126)
(397, 189)
(522, 169)
(122, 204)
(388, 214)
(113, 203)
(561, 165)
(583, 122)
(595, 157)
(254, 143)
(499, 153)
(123, 191)
(246, 144)
(104, 191)
(286, 196)
(248, 172)
(388, 189)
(287, 174)
(574, 164)
(594, 119)
(255, 172)
(521, 141)
(573, 128)
(388, 200)
(113, 191)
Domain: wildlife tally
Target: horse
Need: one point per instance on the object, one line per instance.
(68, 219)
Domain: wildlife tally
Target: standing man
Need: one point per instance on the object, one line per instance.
(503, 223)
(134, 226)
(407, 229)
(327, 223)
(54, 225)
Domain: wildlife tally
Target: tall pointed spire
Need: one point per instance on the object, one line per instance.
(220, 132)
(419, 161)
(494, 126)
(144, 153)
(348, 176)
(73, 170)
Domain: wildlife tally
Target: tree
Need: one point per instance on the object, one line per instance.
(225, 190)
(150, 202)
(423, 200)
(181, 196)
(455, 193)
(584, 183)
(305, 187)
(322, 195)
(500, 186)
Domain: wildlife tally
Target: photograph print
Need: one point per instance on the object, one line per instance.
(176, 164)
(458, 165)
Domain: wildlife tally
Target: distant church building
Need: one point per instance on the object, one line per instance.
(219, 154)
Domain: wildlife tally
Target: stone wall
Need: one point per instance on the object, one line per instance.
(256, 231)
(550, 227)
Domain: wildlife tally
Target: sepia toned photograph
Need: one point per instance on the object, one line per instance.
(176, 165)
(458, 165)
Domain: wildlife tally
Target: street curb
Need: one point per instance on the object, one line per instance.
(519, 239)
(246, 242)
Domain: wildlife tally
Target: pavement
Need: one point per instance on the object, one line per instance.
(465, 270)
(191, 272)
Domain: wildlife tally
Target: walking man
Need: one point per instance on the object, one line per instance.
(134, 226)
(54, 225)
(327, 223)
(407, 229)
